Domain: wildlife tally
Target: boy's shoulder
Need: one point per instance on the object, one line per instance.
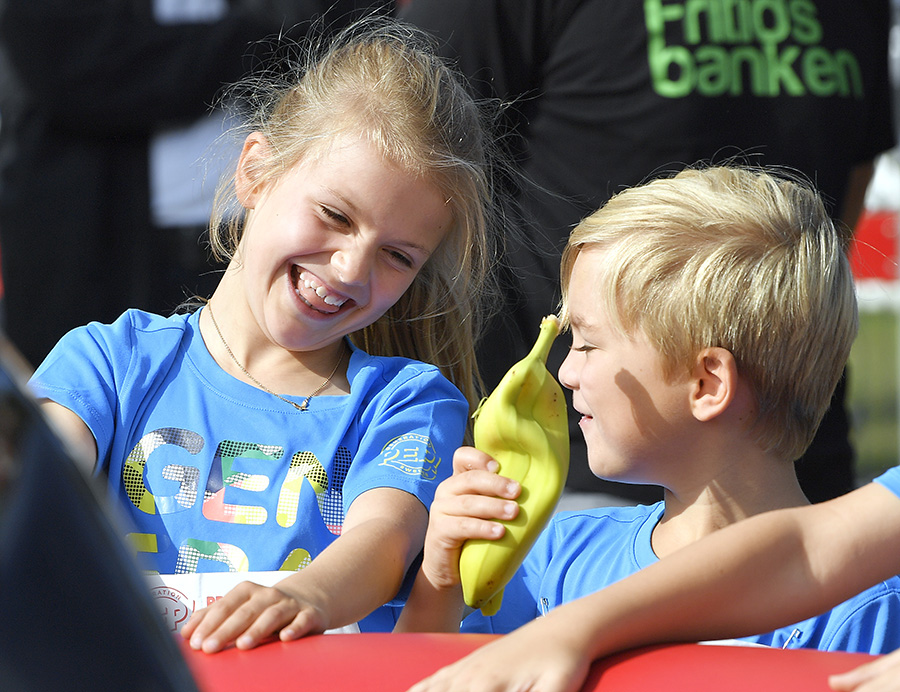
(601, 544)
(570, 527)
(626, 514)
(890, 479)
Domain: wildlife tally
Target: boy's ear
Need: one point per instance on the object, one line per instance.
(247, 183)
(715, 383)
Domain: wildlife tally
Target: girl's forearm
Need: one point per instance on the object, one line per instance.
(360, 571)
(364, 568)
(431, 609)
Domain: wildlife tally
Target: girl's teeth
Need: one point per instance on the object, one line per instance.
(323, 293)
(330, 300)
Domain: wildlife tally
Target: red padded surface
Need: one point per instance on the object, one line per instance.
(393, 662)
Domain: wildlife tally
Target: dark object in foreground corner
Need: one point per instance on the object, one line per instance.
(75, 613)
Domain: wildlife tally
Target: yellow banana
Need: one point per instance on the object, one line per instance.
(523, 426)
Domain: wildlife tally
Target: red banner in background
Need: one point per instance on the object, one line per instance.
(874, 251)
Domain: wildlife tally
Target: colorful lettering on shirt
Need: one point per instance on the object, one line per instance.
(762, 47)
(305, 465)
(297, 560)
(223, 474)
(186, 476)
(235, 466)
(193, 551)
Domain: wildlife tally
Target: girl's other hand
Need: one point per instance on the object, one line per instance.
(250, 614)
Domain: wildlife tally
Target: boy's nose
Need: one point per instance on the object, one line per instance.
(567, 372)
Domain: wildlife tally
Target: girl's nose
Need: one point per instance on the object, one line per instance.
(353, 263)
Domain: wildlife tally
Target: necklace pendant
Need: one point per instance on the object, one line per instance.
(302, 406)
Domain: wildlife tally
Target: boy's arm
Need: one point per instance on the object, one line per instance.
(756, 575)
(464, 507)
(363, 568)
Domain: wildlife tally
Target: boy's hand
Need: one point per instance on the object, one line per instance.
(250, 614)
(881, 675)
(532, 658)
(466, 506)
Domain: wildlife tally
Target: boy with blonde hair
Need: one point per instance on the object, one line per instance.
(711, 316)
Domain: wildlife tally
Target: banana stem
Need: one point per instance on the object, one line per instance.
(549, 332)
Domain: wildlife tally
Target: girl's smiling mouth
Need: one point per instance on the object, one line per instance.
(312, 292)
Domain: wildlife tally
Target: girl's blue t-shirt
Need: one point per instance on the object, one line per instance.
(214, 474)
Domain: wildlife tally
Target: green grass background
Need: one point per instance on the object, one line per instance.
(873, 393)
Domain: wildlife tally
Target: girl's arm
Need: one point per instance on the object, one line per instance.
(765, 572)
(383, 532)
(464, 507)
(75, 432)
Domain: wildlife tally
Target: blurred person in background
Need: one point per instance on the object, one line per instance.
(106, 118)
(606, 95)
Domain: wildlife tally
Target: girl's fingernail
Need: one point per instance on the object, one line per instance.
(211, 645)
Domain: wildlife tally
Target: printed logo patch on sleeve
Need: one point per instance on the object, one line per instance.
(413, 454)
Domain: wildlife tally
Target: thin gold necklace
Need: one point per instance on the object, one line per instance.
(303, 405)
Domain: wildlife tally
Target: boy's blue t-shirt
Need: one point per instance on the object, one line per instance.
(890, 479)
(581, 552)
(217, 475)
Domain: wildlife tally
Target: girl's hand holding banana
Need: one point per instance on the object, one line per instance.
(482, 523)
(468, 505)
(471, 504)
(523, 426)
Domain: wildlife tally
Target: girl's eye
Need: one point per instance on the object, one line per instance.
(334, 215)
(401, 258)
